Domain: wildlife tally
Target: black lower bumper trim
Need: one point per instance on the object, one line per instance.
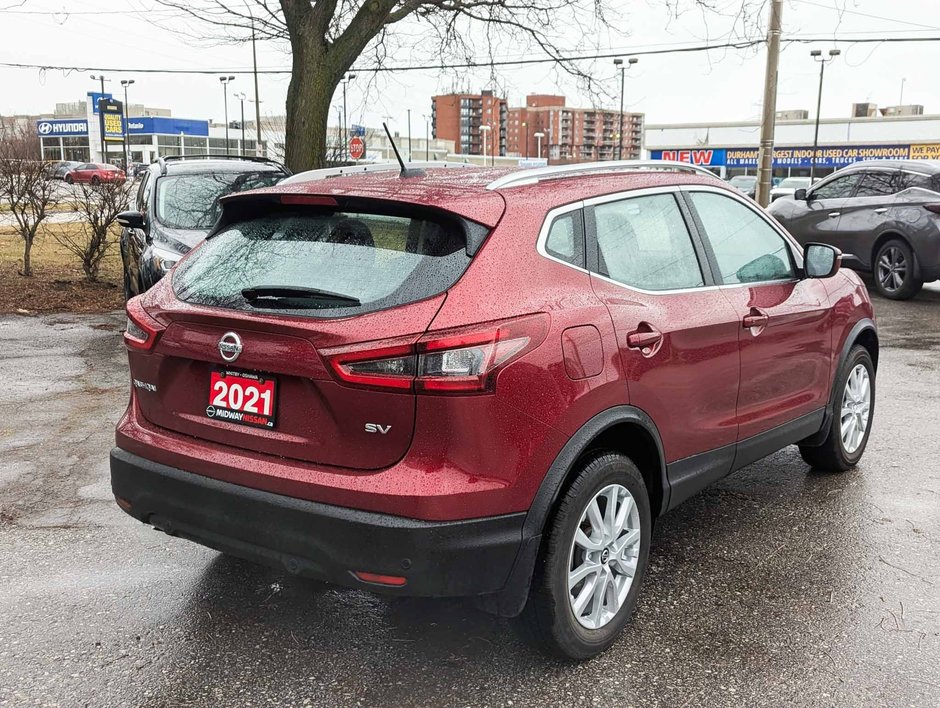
(439, 559)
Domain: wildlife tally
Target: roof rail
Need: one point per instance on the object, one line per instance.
(330, 172)
(533, 176)
(222, 156)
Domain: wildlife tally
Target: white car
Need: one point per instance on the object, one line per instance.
(787, 187)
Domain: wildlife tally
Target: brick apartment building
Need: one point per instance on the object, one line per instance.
(461, 117)
(571, 134)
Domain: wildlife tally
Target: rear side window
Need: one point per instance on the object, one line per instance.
(643, 242)
(565, 240)
(324, 264)
(839, 188)
(877, 183)
(916, 179)
(191, 201)
(746, 247)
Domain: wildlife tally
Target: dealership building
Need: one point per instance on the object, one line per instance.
(78, 136)
(729, 149)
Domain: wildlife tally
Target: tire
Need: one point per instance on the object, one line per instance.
(69, 179)
(893, 270)
(549, 618)
(834, 455)
(95, 181)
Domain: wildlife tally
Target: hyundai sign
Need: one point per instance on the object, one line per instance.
(62, 128)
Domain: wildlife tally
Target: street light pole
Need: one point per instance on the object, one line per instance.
(427, 137)
(104, 153)
(817, 56)
(525, 124)
(344, 128)
(409, 135)
(241, 97)
(225, 82)
(485, 129)
(538, 136)
(127, 159)
(619, 63)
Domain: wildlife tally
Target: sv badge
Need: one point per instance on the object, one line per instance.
(376, 428)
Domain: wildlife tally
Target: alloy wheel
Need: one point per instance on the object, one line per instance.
(856, 407)
(604, 555)
(892, 269)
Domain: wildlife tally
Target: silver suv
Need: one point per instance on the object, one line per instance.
(885, 213)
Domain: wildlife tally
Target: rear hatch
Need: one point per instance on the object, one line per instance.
(285, 292)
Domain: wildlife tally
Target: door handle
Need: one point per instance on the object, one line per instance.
(834, 214)
(755, 318)
(646, 338)
(882, 210)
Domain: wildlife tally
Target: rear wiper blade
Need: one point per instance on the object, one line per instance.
(296, 296)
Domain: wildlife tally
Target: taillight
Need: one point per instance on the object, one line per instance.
(142, 330)
(386, 367)
(456, 361)
(935, 208)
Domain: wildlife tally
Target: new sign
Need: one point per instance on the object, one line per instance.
(826, 156)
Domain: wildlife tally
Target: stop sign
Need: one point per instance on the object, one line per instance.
(357, 148)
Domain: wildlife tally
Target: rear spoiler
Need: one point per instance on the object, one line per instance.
(240, 206)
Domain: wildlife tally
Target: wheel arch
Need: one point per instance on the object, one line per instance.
(624, 429)
(865, 333)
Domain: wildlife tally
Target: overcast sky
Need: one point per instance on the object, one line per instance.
(716, 86)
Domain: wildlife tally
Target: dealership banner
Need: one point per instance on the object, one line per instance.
(111, 113)
(826, 155)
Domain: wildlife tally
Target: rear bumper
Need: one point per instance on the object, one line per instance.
(437, 559)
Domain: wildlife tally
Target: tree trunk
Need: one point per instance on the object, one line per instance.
(311, 89)
(27, 266)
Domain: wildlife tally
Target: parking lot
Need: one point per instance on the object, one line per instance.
(776, 586)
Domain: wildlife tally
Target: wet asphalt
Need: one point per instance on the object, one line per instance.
(777, 586)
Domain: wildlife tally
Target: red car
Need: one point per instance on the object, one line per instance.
(95, 173)
(484, 383)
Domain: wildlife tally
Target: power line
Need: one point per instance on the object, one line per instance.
(744, 44)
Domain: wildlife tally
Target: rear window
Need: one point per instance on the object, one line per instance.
(191, 201)
(324, 264)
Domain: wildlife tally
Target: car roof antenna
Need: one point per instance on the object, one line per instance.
(405, 172)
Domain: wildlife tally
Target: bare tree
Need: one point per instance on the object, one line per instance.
(98, 206)
(327, 36)
(26, 184)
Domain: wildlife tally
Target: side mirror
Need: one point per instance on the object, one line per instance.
(821, 261)
(800, 195)
(131, 219)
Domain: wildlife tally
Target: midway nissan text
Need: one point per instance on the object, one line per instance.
(475, 382)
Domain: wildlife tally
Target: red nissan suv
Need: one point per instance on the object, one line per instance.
(475, 382)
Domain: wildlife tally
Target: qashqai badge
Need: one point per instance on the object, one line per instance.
(230, 346)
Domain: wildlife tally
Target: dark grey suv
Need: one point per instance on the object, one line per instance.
(884, 213)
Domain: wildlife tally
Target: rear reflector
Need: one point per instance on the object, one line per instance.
(935, 208)
(377, 579)
(456, 361)
(124, 504)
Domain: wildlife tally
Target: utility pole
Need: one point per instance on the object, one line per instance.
(254, 62)
(817, 56)
(427, 138)
(768, 119)
(409, 135)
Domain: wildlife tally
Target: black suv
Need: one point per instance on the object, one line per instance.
(885, 213)
(177, 205)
